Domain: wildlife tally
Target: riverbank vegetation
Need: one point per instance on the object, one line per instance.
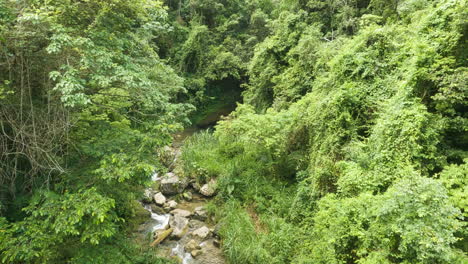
(85, 101)
(348, 143)
(351, 144)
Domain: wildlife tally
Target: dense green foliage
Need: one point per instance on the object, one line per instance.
(349, 146)
(210, 45)
(85, 103)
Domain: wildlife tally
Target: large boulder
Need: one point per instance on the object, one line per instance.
(172, 184)
(179, 225)
(209, 189)
(159, 199)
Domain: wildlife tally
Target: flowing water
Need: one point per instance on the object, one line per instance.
(209, 251)
(179, 252)
(162, 220)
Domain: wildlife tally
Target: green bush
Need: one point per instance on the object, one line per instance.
(412, 222)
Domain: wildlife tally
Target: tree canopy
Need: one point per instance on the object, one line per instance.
(348, 144)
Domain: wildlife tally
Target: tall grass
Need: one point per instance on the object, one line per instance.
(261, 233)
(200, 157)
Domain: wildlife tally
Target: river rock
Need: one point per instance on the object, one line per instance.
(159, 199)
(210, 254)
(195, 253)
(200, 213)
(179, 225)
(181, 212)
(171, 204)
(195, 224)
(157, 210)
(192, 245)
(201, 232)
(209, 189)
(172, 184)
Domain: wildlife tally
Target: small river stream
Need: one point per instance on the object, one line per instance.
(192, 235)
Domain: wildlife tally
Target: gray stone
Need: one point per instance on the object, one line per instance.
(200, 213)
(171, 204)
(179, 225)
(159, 199)
(181, 212)
(172, 184)
(192, 245)
(195, 224)
(209, 189)
(195, 253)
(201, 232)
(211, 253)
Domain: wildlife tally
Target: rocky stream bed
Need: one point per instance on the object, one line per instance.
(179, 226)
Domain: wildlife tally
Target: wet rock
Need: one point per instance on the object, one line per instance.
(192, 245)
(179, 225)
(200, 213)
(211, 253)
(171, 204)
(201, 232)
(195, 224)
(172, 184)
(159, 199)
(195, 253)
(209, 189)
(157, 210)
(181, 212)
